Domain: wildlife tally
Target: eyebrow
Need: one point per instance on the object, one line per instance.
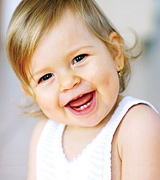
(78, 49)
(68, 54)
(41, 71)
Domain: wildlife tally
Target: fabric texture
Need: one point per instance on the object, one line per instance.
(93, 163)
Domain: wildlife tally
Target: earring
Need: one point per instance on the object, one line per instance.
(120, 73)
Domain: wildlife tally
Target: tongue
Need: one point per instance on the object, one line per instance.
(81, 100)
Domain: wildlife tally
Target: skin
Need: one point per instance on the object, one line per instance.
(58, 78)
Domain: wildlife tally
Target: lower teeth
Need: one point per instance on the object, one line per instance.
(83, 106)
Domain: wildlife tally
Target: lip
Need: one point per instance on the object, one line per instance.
(75, 97)
(85, 111)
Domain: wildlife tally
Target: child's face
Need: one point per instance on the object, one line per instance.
(77, 81)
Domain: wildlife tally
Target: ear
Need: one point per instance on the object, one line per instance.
(117, 51)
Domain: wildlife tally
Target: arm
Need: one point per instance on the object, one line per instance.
(140, 144)
(32, 152)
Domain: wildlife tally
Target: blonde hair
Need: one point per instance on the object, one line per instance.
(34, 18)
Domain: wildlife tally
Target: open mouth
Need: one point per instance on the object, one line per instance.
(83, 104)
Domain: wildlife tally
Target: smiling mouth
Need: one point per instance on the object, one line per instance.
(83, 104)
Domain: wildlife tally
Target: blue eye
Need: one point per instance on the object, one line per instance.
(45, 77)
(79, 58)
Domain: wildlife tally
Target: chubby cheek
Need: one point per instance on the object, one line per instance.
(48, 102)
(106, 80)
(108, 91)
(107, 84)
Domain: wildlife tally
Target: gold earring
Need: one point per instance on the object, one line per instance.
(120, 72)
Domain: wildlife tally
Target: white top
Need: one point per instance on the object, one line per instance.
(94, 162)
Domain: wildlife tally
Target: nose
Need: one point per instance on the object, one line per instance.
(68, 81)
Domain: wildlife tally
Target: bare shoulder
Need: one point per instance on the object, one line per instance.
(32, 151)
(139, 144)
(139, 119)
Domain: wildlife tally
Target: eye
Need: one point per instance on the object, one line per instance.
(79, 58)
(45, 77)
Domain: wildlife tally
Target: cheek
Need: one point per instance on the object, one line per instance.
(107, 82)
(105, 76)
(102, 69)
(46, 100)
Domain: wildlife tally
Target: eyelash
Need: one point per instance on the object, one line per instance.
(45, 77)
(79, 58)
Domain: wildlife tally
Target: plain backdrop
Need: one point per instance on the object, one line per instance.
(16, 128)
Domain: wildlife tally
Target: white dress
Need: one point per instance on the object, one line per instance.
(94, 162)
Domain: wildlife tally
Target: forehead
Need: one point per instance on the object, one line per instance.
(67, 35)
(69, 30)
(71, 22)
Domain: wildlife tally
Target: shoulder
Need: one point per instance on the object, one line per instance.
(139, 143)
(32, 150)
(36, 132)
(139, 119)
